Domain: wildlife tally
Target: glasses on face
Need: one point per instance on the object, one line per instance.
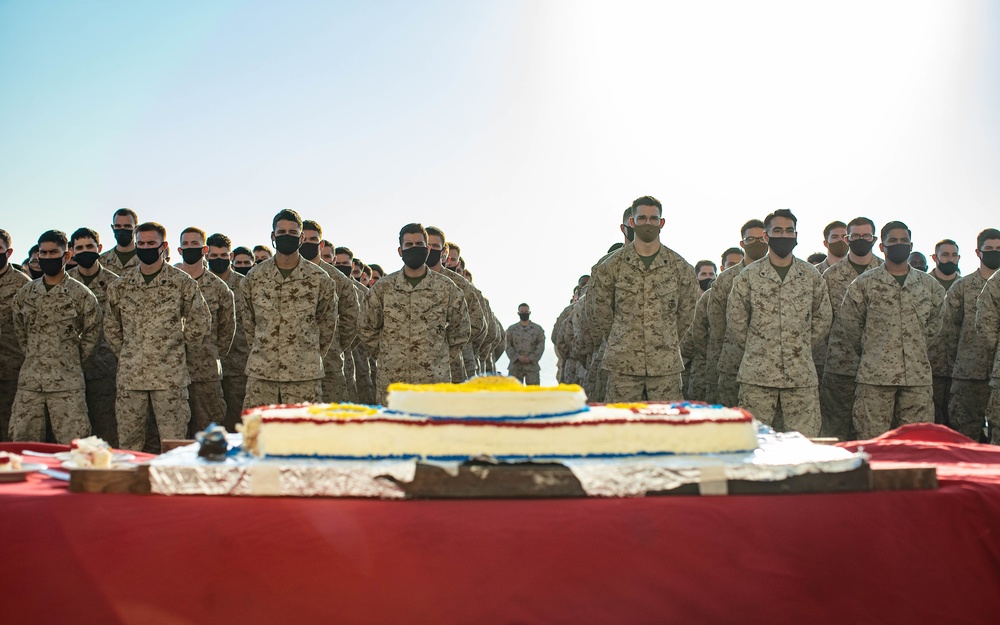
(782, 232)
(646, 219)
(860, 237)
(750, 240)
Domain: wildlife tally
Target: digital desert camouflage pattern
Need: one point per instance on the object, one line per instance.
(695, 347)
(414, 331)
(477, 318)
(204, 363)
(11, 354)
(784, 409)
(889, 327)
(722, 355)
(335, 384)
(561, 351)
(833, 353)
(290, 323)
(234, 362)
(110, 261)
(102, 363)
(778, 323)
(151, 327)
(66, 410)
(941, 348)
(642, 314)
(58, 329)
(965, 349)
(878, 409)
(988, 327)
(823, 266)
(527, 341)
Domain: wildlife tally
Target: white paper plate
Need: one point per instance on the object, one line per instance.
(117, 456)
(20, 476)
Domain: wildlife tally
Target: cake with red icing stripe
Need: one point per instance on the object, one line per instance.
(459, 421)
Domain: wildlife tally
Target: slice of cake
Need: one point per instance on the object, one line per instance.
(9, 461)
(90, 453)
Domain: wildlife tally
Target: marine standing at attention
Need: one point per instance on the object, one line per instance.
(11, 354)
(525, 345)
(122, 256)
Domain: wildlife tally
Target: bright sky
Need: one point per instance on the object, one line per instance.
(522, 129)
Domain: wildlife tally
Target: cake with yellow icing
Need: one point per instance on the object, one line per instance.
(497, 417)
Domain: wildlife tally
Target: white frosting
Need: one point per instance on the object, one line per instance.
(10, 462)
(487, 403)
(91, 452)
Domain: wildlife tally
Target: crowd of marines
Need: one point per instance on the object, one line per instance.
(845, 344)
(121, 344)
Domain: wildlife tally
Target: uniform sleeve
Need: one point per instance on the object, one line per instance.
(326, 313)
(246, 311)
(936, 318)
(227, 323)
(988, 318)
(197, 317)
(477, 320)
(459, 326)
(717, 319)
(113, 318)
(349, 313)
(538, 345)
(951, 322)
(599, 302)
(90, 335)
(20, 323)
(822, 311)
(852, 317)
(687, 298)
(509, 348)
(695, 341)
(370, 323)
(738, 311)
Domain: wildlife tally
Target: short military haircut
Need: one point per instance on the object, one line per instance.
(524, 305)
(626, 215)
(152, 226)
(286, 214)
(896, 225)
(781, 212)
(704, 263)
(647, 200)
(830, 227)
(344, 250)
(357, 262)
(126, 212)
(753, 223)
(219, 240)
(365, 269)
(453, 246)
(461, 263)
(467, 274)
(616, 247)
(309, 224)
(242, 251)
(377, 268)
(438, 233)
(33, 250)
(54, 236)
(730, 252)
(5, 237)
(938, 245)
(84, 233)
(262, 248)
(584, 279)
(326, 243)
(986, 235)
(861, 221)
(412, 229)
(816, 258)
(192, 229)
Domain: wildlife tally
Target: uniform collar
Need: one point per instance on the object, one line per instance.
(767, 270)
(632, 257)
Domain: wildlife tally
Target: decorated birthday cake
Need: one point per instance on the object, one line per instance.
(494, 416)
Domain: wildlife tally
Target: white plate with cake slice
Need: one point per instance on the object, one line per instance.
(21, 474)
(69, 464)
(118, 456)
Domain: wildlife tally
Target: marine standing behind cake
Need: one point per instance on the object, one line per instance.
(525, 346)
(234, 362)
(154, 316)
(11, 355)
(414, 321)
(289, 309)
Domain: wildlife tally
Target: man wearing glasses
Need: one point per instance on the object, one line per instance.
(122, 256)
(724, 355)
(888, 317)
(642, 300)
(778, 311)
(839, 362)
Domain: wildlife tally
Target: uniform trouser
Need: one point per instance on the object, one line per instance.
(784, 409)
(66, 410)
(993, 412)
(711, 392)
(207, 404)
(458, 368)
(878, 409)
(627, 388)
(728, 389)
(234, 389)
(967, 406)
(267, 392)
(836, 404)
(8, 389)
(170, 409)
(942, 399)
(686, 377)
(469, 360)
(334, 383)
(349, 377)
(101, 408)
(529, 374)
(363, 376)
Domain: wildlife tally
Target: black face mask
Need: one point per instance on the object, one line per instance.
(991, 259)
(192, 255)
(414, 257)
(35, 273)
(148, 255)
(286, 244)
(123, 237)
(524, 316)
(51, 266)
(218, 266)
(947, 268)
(344, 269)
(860, 247)
(86, 259)
(898, 253)
(3, 261)
(257, 262)
(433, 257)
(309, 251)
(629, 233)
(706, 283)
(782, 246)
(241, 270)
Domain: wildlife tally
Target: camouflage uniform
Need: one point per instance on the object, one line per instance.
(11, 355)
(498, 347)
(941, 352)
(889, 327)
(988, 329)
(348, 312)
(290, 323)
(823, 266)
(151, 327)
(562, 347)
(101, 368)
(477, 321)
(970, 386)
(583, 349)
(494, 336)
(695, 347)
(643, 313)
(363, 382)
(836, 393)
(525, 340)
(234, 362)
(722, 354)
(110, 261)
(777, 323)
(414, 331)
(205, 390)
(58, 328)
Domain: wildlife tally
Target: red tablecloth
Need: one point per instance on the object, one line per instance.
(889, 557)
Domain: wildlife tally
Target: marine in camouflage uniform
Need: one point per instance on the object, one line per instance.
(970, 386)
(836, 394)
(11, 355)
(776, 322)
(560, 346)
(888, 327)
(100, 369)
(363, 383)
(988, 330)
(414, 330)
(112, 261)
(59, 327)
(348, 313)
(151, 328)
(527, 340)
(234, 362)
(477, 322)
(722, 351)
(205, 396)
(941, 352)
(290, 323)
(642, 314)
(695, 347)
